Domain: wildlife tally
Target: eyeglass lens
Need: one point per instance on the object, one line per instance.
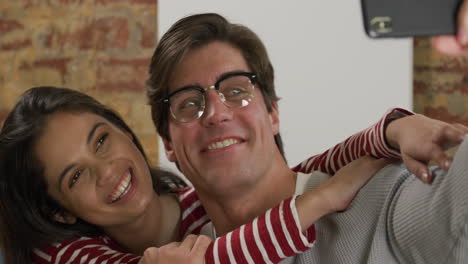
(188, 105)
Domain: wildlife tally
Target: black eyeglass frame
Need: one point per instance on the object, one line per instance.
(252, 77)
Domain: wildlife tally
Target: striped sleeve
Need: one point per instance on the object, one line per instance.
(85, 250)
(268, 239)
(194, 216)
(370, 141)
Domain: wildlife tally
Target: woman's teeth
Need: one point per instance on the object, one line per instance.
(123, 188)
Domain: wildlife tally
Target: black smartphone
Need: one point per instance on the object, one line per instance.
(409, 18)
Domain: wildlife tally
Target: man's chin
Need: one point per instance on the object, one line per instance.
(225, 184)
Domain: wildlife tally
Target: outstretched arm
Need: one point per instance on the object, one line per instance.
(399, 134)
(370, 141)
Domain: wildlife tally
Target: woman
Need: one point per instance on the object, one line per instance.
(75, 183)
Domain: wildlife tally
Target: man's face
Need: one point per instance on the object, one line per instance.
(226, 147)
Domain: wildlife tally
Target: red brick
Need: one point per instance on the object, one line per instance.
(16, 45)
(424, 87)
(112, 86)
(30, 3)
(442, 113)
(68, 2)
(122, 74)
(454, 67)
(422, 42)
(49, 38)
(59, 64)
(148, 35)
(144, 2)
(100, 34)
(8, 25)
(419, 87)
(127, 62)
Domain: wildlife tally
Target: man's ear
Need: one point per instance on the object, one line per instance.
(274, 118)
(169, 150)
(64, 217)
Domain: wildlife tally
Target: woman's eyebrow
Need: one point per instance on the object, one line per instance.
(93, 130)
(88, 140)
(62, 176)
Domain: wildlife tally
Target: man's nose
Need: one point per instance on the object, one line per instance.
(216, 112)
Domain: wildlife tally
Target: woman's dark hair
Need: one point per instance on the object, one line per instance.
(26, 209)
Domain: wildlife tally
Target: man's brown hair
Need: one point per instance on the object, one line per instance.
(196, 31)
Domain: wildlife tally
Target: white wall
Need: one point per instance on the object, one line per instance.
(334, 81)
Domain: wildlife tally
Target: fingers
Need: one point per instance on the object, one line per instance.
(201, 245)
(150, 256)
(448, 45)
(462, 34)
(419, 169)
(451, 135)
(455, 45)
(191, 250)
(437, 155)
(188, 242)
(462, 128)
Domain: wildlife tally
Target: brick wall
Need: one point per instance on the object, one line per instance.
(440, 84)
(101, 47)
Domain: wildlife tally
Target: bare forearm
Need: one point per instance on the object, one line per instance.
(311, 207)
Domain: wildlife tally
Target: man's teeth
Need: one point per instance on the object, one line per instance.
(222, 144)
(123, 188)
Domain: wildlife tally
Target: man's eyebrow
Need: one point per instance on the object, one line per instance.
(88, 140)
(224, 74)
(219, 77)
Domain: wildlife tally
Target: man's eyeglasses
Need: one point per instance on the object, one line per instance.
(235, 90)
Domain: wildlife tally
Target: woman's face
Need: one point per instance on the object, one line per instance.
(94, 170)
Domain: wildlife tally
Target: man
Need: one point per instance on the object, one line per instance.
(227, 142)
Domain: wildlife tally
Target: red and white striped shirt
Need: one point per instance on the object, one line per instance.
(268, 239)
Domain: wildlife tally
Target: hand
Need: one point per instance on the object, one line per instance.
(339, 190)
(421, 139)
(455, 45)
(190, 251)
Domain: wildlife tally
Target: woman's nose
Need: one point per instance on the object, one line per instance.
(105, 172)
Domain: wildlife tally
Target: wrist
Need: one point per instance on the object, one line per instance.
(391, 129)
(311, 206)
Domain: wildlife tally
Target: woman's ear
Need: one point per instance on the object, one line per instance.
(64, 217)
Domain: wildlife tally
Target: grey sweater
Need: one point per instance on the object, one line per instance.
(396, 218)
